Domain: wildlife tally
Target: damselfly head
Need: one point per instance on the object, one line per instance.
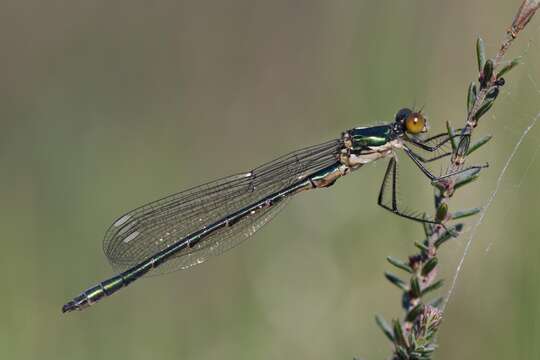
(412, 122)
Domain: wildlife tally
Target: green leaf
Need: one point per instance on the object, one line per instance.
(487, 72)
(402, 353)
(480, 53)
(432, 287)
(464, 213)
(429, 266)
(399, 337)
(471, 96)
(478, 144)
(466, 177)
(448, 234)
(422, 247)
(399, 264)
(414, 313)
(484, 108)
(512, 64)
(413, 341)
(415, 287)
(385, 327)
(396, 281)
(424, 353)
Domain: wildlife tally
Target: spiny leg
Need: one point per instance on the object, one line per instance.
(418, 160)
(424, 144)
(434, 158)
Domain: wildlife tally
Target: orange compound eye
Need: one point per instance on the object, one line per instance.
(415, 123)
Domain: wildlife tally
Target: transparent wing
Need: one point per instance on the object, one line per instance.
(220, 241)
(143, 232)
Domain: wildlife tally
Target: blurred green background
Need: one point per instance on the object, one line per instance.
(106, 105)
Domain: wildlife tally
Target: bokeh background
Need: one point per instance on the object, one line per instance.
(106, 105)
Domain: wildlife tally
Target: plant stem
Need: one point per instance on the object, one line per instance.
(414, 337)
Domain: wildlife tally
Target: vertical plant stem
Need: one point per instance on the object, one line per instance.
(414, 337)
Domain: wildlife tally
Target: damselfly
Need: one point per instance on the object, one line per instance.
(186, 228)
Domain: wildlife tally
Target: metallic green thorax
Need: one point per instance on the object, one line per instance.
(362, 138)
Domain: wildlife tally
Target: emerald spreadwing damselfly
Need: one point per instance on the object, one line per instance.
(184, 229)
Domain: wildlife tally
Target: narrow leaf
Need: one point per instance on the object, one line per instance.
(429, 266)
(483, 109)
(385, 327)
(480, 53)
(466, 177)
(465, 213)
(399, 264)
(448, 234)
(413, 341)
(414, 313)
(512, 64)
(399, 337)
(432, 287)
(402, 352)
(426, 351)
(471, 96)
(487, 72)
(396, 281)
(421, 246)
(415, 287)
(478, 144)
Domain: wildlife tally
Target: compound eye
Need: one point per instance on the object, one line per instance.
(403, 114)
(415, 123)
